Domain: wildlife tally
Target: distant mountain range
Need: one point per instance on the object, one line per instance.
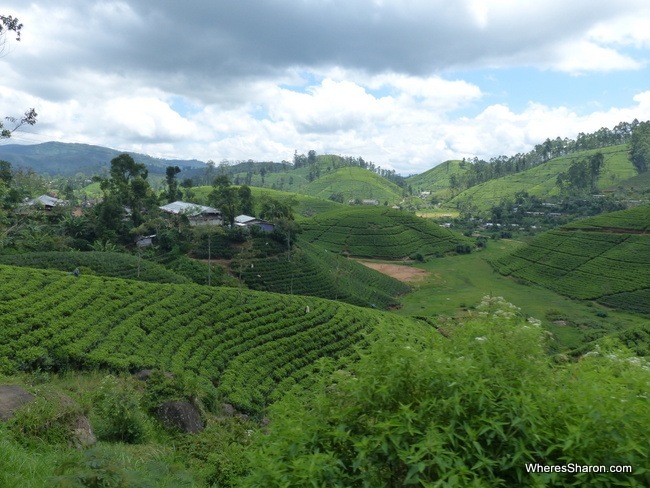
(66, 159)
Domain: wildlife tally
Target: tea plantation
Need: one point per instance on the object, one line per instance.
(378, 232)
(604, 258)
(253, 345)
(314, 271)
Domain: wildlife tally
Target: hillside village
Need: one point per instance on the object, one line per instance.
(206, 321)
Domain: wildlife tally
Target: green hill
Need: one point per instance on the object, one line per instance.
(354, 183)
(639, 184)
(59, 158)
(307, 206)
(327, 176)
(254, 345)
(437, 180)
(378, 233)
(541, 181)
(114, 264)
(604, 258)
(316, 272)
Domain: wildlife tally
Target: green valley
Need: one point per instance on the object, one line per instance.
(328, 322)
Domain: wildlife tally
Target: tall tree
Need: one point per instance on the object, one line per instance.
(128, 184)
(640, 142)
(245, 200)
(225, 198)
(173, 193)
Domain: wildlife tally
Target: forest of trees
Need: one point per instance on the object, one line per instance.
(479, 171)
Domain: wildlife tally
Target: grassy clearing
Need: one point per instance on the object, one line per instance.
(458, 283)
(438, 214)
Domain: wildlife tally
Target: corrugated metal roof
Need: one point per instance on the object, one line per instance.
(188, 208)
(242, 219)
(47, 201)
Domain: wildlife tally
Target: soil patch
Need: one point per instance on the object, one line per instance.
(398, 271)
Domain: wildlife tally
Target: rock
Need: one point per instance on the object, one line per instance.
(228, 410)
(82, 433)
(12, 397)
(180, 415)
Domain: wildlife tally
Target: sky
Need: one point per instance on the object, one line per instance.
(406, 84)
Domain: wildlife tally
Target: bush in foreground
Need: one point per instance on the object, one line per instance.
(471, 409)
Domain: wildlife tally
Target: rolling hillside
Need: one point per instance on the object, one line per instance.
(59, 158)
(253, 345)
(437, 180)
(541, 180)
(378, 233)
(316, 272)
(354, 183)
(113, 264)
(604, 258)
(307, 206)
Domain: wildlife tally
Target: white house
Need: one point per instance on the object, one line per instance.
(46, 201)
(248, 221)
(197, 214)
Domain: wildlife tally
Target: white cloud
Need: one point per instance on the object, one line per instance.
(585, 56)
(367, 78)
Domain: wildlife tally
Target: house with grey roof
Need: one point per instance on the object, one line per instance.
(45, 201)
(196, 214)
(248, 222)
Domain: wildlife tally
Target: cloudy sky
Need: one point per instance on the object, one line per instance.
(406, 84)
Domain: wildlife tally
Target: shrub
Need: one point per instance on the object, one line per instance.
(120, 419)
(46, 420)
(469, 410)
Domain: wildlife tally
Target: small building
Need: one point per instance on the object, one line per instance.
(46, 201)
(145, 241)
(248, 221)
(196, 214)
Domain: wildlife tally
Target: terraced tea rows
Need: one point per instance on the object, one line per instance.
(611, 267)
(117, 265)
(253, 345)
(378, 232)
(316, 272)
(628, 221)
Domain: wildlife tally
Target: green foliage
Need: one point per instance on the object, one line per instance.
(603, 258)
(198, 272)
(471, 409)
(316, 272)
(218, 454)
(541, 181)
(97, 468)
(46, 420)
(463, 249)
(442, 180)
(377, 232)
(306, 206)
(173, 193)
(113, 264)
(633, 219)
(353, 183)
(640, 143)
(117, 408)
(226, 198)
(253, 345)
(582, 175)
